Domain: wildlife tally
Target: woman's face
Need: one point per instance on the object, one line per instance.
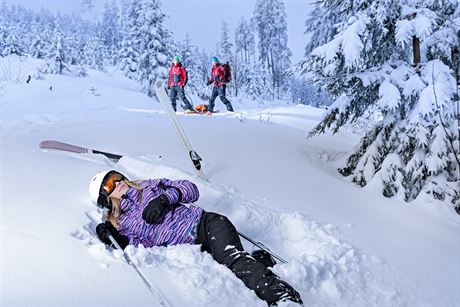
(120, 189)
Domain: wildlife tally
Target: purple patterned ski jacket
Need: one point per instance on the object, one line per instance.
(179, 224)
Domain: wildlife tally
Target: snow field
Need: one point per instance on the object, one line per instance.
(345, 246)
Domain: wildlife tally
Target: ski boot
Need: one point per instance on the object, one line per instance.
(190, 111)
(263, 257)
(229, 107)
(289, 295)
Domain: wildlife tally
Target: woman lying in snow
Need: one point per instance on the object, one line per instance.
(153, 213)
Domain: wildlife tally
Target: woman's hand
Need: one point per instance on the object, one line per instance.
(105, 230)
(155, 211)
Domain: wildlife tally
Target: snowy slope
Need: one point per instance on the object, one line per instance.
(345, 246)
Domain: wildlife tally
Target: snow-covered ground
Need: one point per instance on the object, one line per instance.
(345, 246)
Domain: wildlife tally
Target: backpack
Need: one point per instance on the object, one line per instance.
(227, 72)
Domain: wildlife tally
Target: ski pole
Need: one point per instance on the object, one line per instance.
(155, 291)
(262, 246)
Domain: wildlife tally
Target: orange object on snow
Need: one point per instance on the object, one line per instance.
(201, 108)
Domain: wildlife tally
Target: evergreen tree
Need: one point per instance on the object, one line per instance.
(191, 60)
(58, 38)
(56, 55)
(38, 44)
(154, 43)
(258, 82)
(244, 51)
(146, 43)
(398, 57)
(95, 53)
(321, 25)
(224, 50)
(305, 93)
(11, 42)
(76, 55)
(271, 26)
(110, 30)
(200, 73)
(224, 46)
(129, 51)
(185, 50)
(2, 39)
(244, 40)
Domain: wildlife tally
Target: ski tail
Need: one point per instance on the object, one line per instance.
(57, 145)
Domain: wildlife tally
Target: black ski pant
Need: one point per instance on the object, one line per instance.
(175, 91)
(219, 91)
(219, 237)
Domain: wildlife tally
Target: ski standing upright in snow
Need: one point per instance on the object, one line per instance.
(166, 104)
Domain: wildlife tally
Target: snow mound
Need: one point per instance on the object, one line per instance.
(321, 266)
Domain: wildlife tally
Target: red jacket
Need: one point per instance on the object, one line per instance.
(217, 75)
(177, 75)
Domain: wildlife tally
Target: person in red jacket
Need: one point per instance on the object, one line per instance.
(218, 78)
(176, 83)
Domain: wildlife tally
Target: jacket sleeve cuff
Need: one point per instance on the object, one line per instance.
(173, 196)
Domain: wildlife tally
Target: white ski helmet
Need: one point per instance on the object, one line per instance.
(97, 196)
(95, 185)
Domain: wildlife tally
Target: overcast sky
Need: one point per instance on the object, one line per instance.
(201, 19)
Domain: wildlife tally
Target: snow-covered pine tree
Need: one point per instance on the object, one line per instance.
(190, 57)
(2, 39)
(258, 83)
(42, 31)
(110, 31)
(129, 52)
(244, 53)
(95, 53)
(271, 26)
(12, 43)
(38, 45)
(156, 42)
(55, 57)
(224, 51)
(398, 57)
(185, 51)
(321, 26)
(146, 43)
(303, 92)
(201, 73)
(245, 40)
(76, 47)
(11, 31)
(224, 46)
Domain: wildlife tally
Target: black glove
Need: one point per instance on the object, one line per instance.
(168, 87)
(155, 211)
(105, 230)
(209, 82)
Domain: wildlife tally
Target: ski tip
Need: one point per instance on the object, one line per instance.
(43, 144)
(158, 83)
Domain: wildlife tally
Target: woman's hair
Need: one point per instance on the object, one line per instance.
(114, 214)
